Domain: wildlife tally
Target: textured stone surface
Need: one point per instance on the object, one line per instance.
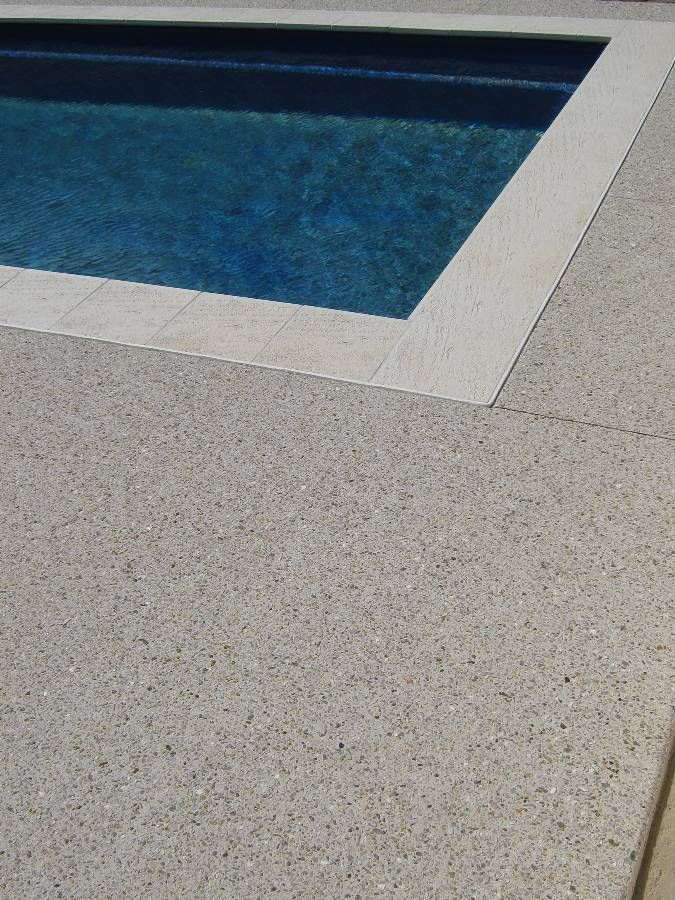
(34, 299)
(123, 311)
(347, 345)
(220, 325)
(648, 172)
(602, 9)
(216, 575)
(265, 631)
(656, 878)
(7, 273)
(603, 349)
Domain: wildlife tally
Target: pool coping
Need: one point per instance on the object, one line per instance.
(467, 332)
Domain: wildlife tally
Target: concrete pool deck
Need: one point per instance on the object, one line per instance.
(265, 634)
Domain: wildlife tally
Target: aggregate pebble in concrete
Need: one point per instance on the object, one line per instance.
(648, 172)
(215, 576)
(266, 634)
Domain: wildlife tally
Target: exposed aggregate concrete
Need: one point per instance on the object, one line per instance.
(267, 635)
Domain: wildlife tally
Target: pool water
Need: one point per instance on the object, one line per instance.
(268, 174)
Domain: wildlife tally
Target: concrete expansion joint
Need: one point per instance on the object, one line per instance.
(573, 421)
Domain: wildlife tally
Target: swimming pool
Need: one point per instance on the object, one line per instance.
(335, 170)
(465, 334)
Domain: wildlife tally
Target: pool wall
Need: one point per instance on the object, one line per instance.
(467, 332)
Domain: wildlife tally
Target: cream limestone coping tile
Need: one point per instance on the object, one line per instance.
(466, 333)
(344, 345)
(7, 273)
(507, 26)
(365, 21)
(430, 23)
(312, 19)
(38, 299)
(555, 26)
(224, 326)
(126, 312)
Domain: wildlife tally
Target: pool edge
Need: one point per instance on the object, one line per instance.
(443, 349)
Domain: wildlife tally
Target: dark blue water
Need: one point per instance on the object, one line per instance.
(270, 170)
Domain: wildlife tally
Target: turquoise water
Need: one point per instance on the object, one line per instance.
(341, 171)
(350, 213)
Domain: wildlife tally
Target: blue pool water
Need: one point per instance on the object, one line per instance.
(279, 172)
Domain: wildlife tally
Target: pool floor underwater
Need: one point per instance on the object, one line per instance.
(338, 171)
(352, 213)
